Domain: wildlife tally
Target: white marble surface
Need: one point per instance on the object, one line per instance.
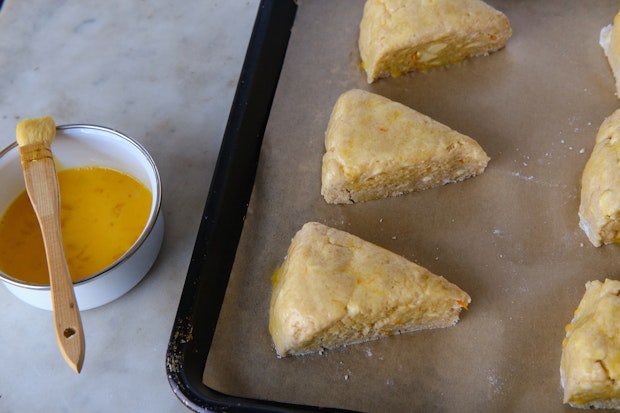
(164, 73)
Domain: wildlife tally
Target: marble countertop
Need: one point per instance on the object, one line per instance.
(165, 74)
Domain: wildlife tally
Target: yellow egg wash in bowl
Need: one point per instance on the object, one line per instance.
(103, 212)
(111, 219)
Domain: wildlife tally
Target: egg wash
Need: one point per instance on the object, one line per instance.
(102, 214)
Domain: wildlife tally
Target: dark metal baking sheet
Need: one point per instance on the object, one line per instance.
(509, 237)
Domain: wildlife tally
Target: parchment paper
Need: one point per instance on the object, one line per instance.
(509, 237)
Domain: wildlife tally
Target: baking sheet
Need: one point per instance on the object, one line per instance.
(509, 237)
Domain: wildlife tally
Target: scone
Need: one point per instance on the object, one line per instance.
(590, 364)
(610, 42)
(400, 36)
(376, 148)
(335, 289)
(599, 211)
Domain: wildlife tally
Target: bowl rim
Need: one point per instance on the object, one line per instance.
(156, 208)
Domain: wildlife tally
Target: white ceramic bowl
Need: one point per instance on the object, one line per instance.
(84, 145)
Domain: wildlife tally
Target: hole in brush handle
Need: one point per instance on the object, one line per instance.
(69, 332)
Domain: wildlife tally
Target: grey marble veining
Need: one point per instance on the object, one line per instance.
(164, 73)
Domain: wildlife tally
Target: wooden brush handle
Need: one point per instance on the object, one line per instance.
(42, 188)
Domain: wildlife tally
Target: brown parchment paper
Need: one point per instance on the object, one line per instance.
(509, 237)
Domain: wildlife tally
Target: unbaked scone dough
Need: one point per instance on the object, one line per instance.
(610, 42)
(335, 289)
(400, 36)
(599, 211)
(590, 364)
(376, 148)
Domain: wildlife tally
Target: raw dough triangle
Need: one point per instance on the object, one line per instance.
(610, 42)
(399, 36)
(376, 148)
(590, 363)
(335, 289)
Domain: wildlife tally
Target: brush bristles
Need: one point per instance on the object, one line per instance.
(39, 130)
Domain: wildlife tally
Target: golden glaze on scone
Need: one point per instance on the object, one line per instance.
(590, 364)
(599, 211)
(400, 36)
(376, 148)
(335, 289)
(610, 42)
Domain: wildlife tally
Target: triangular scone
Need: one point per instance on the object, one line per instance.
(599, 210)
(610, 42)
(400, 36)
(590, 363)
(335, 289)
(376, 148)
